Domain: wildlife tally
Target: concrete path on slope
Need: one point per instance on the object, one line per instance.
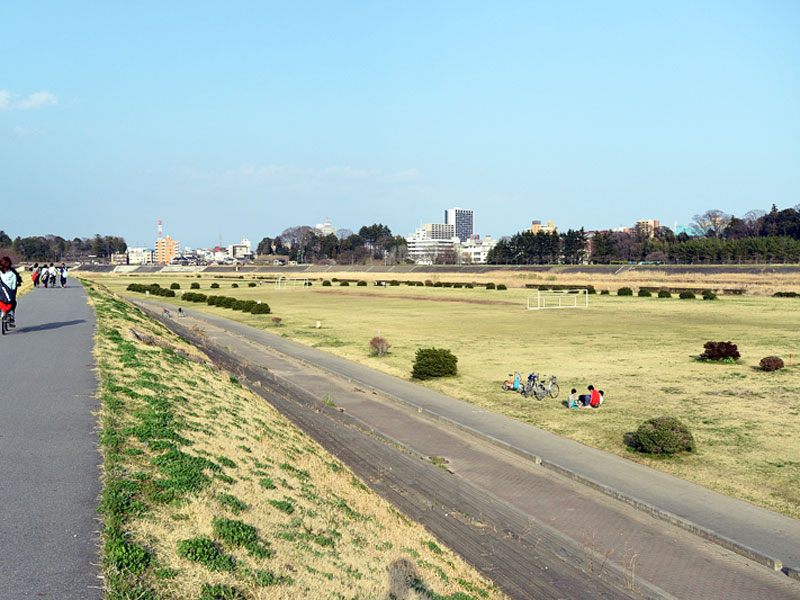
(49, 473)
(668, 558)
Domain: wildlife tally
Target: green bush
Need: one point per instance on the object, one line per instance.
(664, 294)
(428, 283)
(645, 293)
(720, 351)
(786, 294)
(215, 285)
(590, 289)
(361, 283)
(502, 286)
(344, 283)
(239, 305)
(458, 285)
(260, 309)
(469, 286)
(174, 286)
(420, 284)
(490, 286)
(394, 282)
(447, 284)
(195, 285)
(437, 284)
(771, 363)
(326, 283)
(709, 295)
(662, 435)
(686, 295)
(234, 285)
(604, 293)
(434, 362)
(204, 551)
(624, 291)
(251, 284)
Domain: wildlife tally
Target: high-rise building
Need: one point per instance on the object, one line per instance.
(166, 250)
(439, 231)
(464, 221)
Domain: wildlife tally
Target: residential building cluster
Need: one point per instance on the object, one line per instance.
(451, 242)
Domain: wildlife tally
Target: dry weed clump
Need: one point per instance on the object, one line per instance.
(208, 491)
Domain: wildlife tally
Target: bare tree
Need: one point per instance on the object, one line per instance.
(712, 222)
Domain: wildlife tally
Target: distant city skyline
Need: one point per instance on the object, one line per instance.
(242, 120)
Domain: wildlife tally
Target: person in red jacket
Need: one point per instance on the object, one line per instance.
(594, 398)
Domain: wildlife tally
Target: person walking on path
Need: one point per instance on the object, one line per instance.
(52, 273)
(9, 282)
(35, 275)
(63, 273)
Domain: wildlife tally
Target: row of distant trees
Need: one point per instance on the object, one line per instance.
(56, 248)
(713, 237)
(305, 244)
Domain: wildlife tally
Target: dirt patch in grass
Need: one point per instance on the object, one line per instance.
(186, 512)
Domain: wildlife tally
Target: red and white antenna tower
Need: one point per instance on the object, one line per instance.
(160, 233)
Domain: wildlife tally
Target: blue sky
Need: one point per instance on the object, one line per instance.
(243, 118)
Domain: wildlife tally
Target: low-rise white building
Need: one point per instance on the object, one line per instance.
(424, 249)
(141, 256)
(474, 250)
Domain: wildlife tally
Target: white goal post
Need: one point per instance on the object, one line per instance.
(283, 283)
(578, 298)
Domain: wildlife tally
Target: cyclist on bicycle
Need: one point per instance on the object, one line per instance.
(10, 280)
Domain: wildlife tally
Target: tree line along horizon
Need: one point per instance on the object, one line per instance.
(716, 237)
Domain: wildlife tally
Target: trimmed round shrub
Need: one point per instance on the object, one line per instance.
(590, 289)
(437, 284)
(195, 286)
(326, 283)
(709, 295)
(434, 362)
(624, 291)
(664, 294)
(344, 283)
(490, 286)
(428, 283)
(251, 284)
(308, 283)
(174, 286)
(771, 363)
(645, 293)
(605, 293)
(215, 285)
(686, 295)
(662, 435)
(234, 285)
(502, 286)
(786, 294)
(458, 285)
(260, 309)
(239, 305)
(335, 279)
(420, 284)
(469, 286)
(212, 300)
(361, 283)
(447, 284)
(394, 282)
(169, 293)
(720, 351)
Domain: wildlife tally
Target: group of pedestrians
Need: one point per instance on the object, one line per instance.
(49, 276)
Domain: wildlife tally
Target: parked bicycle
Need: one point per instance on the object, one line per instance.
(535, 387)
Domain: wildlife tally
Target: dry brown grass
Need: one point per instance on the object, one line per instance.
(368, 549)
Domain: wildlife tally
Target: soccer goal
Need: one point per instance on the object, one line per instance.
(559, 299)
(283, 283)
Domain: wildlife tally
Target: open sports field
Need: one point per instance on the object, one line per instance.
(638, 350)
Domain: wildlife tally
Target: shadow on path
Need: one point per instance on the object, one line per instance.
(46, 326)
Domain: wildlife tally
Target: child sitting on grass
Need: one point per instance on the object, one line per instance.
(572, 399)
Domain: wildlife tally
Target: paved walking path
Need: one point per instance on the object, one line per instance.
(49, 474)
(683, 564)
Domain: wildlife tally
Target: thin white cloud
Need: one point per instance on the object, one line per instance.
(25, 132)
(36, 100)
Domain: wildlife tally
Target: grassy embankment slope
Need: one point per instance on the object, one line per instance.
(639, 350)
(209, 493)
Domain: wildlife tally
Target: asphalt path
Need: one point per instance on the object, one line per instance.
(49, 459)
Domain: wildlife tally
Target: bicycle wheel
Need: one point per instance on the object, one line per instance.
(554, 390)
(540, 391)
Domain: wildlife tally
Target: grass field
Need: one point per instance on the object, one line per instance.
(638, 350)
(210, 494)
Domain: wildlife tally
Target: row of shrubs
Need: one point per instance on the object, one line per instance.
(786, 295)
(154, 289)
(427, 283)
(647, 293)
(728, 352)
(196, 286)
